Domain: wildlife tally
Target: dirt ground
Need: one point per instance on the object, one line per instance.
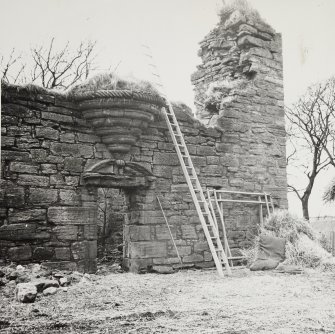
(184, 302)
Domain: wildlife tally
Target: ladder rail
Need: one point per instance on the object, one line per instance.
(168, 226)
(225, 238)
(195, 189)
(217, 257)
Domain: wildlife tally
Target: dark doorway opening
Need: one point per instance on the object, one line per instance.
(113, 207)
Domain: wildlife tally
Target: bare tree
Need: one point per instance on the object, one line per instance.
(11, 67)
(63, 68)
(50, 67)
(311, 123)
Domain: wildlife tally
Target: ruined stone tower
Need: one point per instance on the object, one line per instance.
(239, 89)
(58, 150)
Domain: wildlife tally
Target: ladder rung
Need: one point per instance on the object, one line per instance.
(236, 257)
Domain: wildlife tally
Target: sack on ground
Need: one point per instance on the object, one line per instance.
(271, 252)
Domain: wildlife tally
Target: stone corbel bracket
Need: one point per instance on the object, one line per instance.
(112, 173)
(119, 117)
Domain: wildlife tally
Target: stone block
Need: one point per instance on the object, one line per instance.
(139, 233)
(62, 253)
(14, 155)
(28, 215)
(71, 181)
(201, 246)
(147, 249)
(46, 132)
(169, 260)
(14, 196)
(162, 269)
(87, 266)
(22, 231)
(67, 137)
(90, 232)
(162, 232)
(235, 235)
(72, 215)
(188, 232)
(66, 232)
(20, 253)
(165, 159)
(73, 165)
(213, 160)
(74, 150)
(205, 150)
(65, 149)
(208, 256)
(58, 118)
(214, 170)
(43, 253)
(92, 249)
(50, 291)
(137, 265)
(21, 167)
(79, 250)
(61, 265)
(57, 180)
(40, 196)
(193, 258)
(48, 168)
(68, 197)
(182, 250)
(38, 154)
(8, 120)
(25, 292)
(162, 171)
(88, 138)
(7, 141)
(33, 180)
(198, 161)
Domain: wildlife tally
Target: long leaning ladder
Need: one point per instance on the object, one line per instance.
(205, 215)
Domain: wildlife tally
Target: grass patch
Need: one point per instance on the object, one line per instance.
(243, 6)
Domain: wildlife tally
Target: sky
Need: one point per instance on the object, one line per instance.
(173, 30)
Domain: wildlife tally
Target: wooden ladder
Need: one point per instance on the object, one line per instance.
(205, 216)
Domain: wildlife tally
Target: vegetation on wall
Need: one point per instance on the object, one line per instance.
(110, 81)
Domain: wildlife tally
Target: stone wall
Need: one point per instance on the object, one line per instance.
(46, 213)
(58, 150)
(239, 89)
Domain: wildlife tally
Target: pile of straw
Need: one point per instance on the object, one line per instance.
(302, 246)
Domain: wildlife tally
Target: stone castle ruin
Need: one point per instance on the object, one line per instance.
(58, 150)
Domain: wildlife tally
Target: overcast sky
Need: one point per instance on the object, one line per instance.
(173, 29)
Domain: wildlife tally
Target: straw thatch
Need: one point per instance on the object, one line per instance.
(302, 246)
